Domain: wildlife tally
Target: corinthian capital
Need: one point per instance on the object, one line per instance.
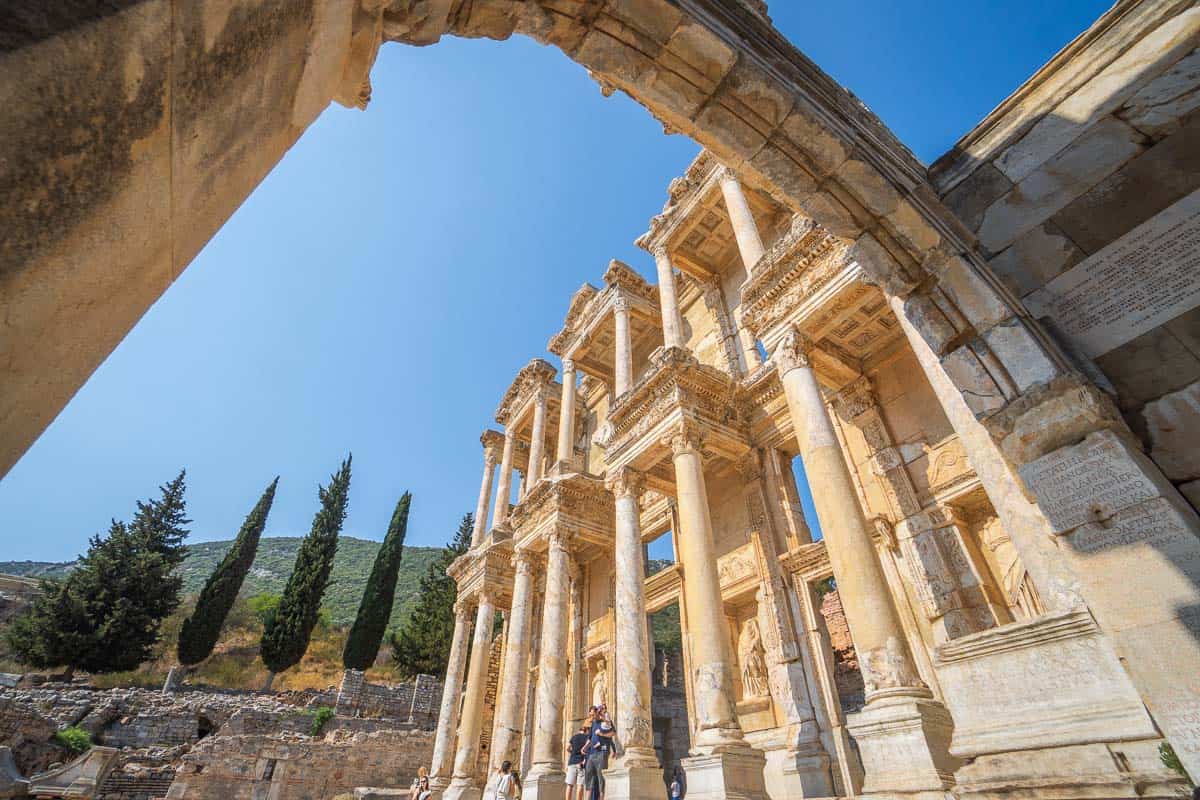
(561, 538)
(525, 561)
(626, 482)
(493, 443)
(854, 399)
(793, 351)
(686, 438)
(568, 365)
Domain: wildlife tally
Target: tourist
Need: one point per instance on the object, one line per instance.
(575, 757)
(420, 786)
(597, 749)
(508, 785)
(677, 785)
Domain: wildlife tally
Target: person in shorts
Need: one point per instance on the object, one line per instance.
(575, 759)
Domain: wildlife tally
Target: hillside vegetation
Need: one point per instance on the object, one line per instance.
(272, 566)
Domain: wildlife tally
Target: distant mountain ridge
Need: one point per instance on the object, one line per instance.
(273, 564)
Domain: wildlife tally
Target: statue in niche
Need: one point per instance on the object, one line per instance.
(751, 656)
(600, 684)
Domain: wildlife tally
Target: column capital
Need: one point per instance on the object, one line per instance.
(794, 350)
(685, 438)
(854, 399)
(561, 538)
(725, 173)
(568, 364)
(462, 609)
(621, 303)
(525, 561)
(626, 482)
(659, 251)
(485, 597)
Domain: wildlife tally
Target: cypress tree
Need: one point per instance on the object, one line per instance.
(375, 608)
(422, 645)
(106, 615)
(202, 628)
(286, 634)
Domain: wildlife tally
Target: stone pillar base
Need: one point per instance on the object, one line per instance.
(806, 773)
(634, 783)
(904, 743)
(462, 789)
(726, 776)
(547, 785)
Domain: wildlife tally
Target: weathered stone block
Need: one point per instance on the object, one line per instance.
(1158, 107)
(813, 131)
(1092, 481)
(1172, 424)
(1091, 158)
(911, 228)
(1133, 194)
(980, 391)
(975, 193)
(1035, 258)
(904, 744)
(930, 321)
(1022, 355)
(977, 300)
(869, 186)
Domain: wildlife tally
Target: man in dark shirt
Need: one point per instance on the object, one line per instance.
(597, 749)
(575, 759)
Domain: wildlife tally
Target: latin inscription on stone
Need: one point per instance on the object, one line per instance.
(1143, 279)
(1088, 482)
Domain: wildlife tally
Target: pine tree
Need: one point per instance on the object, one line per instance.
(202, 628)
(106, 615)
(362, 645)
(286, 634)
(422, 645)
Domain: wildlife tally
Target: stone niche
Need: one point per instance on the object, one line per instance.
(755, 708)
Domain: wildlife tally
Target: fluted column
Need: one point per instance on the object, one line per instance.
(624, 355)
(504, 484)
(490, 441)
(632, 652)
(537, 444)
(443, 743)
(510, 703)
(566, 418)
(717, 727)
(465, 756)
(672, 322)
(552, 665)
(886, 662)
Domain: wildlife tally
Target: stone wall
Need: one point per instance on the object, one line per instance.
(669, 710)
(415, 702)
(294, 767)
(1091, 171)
(846, 674)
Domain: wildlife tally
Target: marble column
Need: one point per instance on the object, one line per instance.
(444, 740)
(463, 784)
(504, 484)
(545, 775)
(485, 490)
(750, 247)
(899, 712)
(712, 663)
(624, 356)
(632, 651)
(510, 703)
(672, 322)
(566, 419)
(537, 443)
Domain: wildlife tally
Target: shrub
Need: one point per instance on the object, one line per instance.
(1166, 754)
(320, 716)
(75, 739)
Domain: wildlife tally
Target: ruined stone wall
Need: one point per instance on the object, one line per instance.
(846, 673)
(292, 767)
(415, 702)
(668, 708)
(1089, 158)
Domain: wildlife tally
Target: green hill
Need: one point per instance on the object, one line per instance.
(272, 566)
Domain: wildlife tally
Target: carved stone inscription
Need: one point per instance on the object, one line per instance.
(1088, 482)
(1143, 279)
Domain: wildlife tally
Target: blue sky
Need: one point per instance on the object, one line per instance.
(379, 290)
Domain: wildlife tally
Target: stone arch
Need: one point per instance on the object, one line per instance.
(212, 96)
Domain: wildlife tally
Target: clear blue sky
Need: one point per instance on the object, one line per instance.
(381, 287)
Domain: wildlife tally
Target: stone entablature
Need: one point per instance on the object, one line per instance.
(576, 503)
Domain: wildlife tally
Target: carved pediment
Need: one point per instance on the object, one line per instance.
(537, 375)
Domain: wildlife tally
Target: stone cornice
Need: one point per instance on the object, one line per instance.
(538, 374)
(621, 283)
(800, 264)
(684, 196)
(576, 501)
